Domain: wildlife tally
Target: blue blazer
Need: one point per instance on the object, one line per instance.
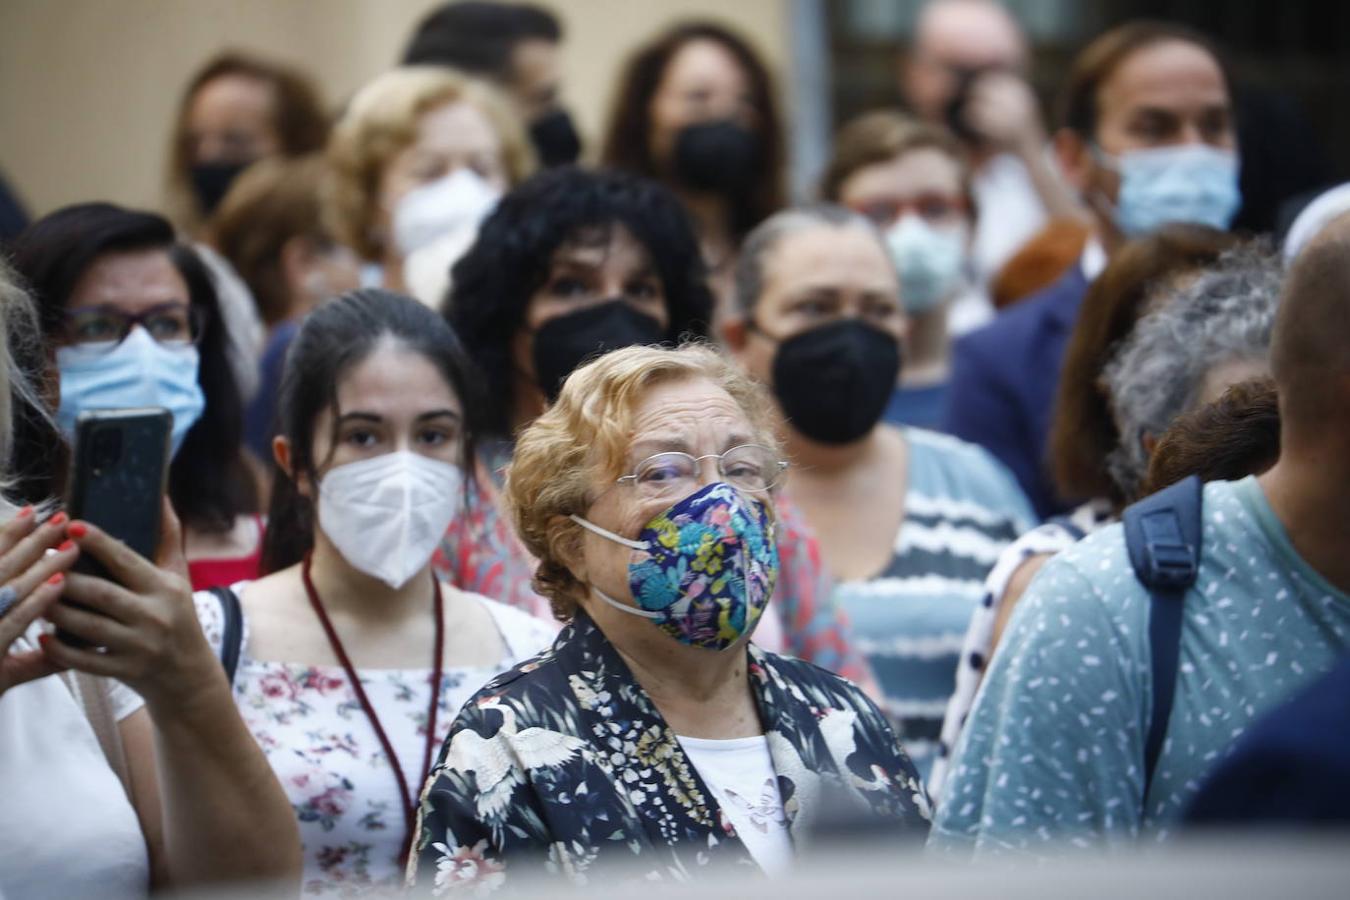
(1004, 379)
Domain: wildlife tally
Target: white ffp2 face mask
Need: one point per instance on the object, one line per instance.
(455, 202)
(387, 514)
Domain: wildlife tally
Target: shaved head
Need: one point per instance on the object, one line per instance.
(959, 35)
(1310, 349)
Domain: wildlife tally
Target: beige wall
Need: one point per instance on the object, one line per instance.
(88, 88)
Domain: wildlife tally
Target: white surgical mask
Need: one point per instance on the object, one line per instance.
(386, 515)
(460, 200)
(929, 261)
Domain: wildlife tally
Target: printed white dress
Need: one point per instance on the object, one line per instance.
(328, 758)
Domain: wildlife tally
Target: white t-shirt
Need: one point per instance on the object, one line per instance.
(1009, 213)
(740, 774)
(67, 828)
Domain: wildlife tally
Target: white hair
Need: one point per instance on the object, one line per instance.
(1225, 314)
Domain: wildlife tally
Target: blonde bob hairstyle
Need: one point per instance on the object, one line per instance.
(381, 121)
(583, 439)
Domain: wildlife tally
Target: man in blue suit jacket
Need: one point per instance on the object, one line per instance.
(1147, 137)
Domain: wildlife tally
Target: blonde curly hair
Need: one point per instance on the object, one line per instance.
(583, 438)
(381, 120)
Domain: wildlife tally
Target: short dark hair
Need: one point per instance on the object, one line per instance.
(1099, 60)
(478, 37)
(627, 141)
(209, 481)
(492, 284)
(334, 338)
(1233, 437)
(1083, 432)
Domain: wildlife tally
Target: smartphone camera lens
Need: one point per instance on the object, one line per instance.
(106, 452)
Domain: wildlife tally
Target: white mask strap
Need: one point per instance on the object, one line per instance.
(606, 533)
(646, 614)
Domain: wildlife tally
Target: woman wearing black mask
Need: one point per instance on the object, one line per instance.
(697, 112)
(236, 110)
(569, 265)
(909, 521)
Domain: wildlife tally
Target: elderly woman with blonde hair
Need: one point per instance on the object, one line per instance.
(652, 733)
(418, 159)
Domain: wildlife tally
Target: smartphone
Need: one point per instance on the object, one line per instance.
(118, 474)
(955, 112)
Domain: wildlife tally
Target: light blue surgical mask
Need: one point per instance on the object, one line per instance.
(1193, 183)
(929, 261)
(137, 372)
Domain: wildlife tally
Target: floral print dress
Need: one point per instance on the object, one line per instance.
(564, 767)
(327, 756)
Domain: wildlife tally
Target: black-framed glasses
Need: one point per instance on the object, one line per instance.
(170, 324)
(748, 467)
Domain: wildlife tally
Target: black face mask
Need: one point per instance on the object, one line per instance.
(555, 138)
(211, 182)
(717, 156)
(564, 343)
(833, 382)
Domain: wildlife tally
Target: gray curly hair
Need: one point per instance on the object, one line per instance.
(1225, 314)
(20, 336)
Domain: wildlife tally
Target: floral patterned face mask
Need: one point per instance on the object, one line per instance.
(705, 568)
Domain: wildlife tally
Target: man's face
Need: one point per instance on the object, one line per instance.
(1165, 94)
(536, 77)
(951, 39)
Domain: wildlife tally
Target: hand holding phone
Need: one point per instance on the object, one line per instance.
(118, 475)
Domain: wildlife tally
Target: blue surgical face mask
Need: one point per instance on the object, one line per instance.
(1193, 183)
(929, 261)
(139, 371)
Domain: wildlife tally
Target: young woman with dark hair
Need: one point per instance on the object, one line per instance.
(377, 411)
(697, 111)
(572, 264)
(131, 318)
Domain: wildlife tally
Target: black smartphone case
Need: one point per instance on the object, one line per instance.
(118, 475)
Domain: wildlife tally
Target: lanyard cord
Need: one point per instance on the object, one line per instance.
(409, 800)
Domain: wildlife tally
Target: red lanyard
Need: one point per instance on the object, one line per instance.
(409, 799)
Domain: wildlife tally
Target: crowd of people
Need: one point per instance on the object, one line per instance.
(623, 520)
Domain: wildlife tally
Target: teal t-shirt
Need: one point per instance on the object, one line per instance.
(962, 507)
(1053, 752)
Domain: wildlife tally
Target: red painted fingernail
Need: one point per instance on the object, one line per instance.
(65, 545)
(58, 577)
(25, 512)
(58, 519)
(44, 640)
(77, 529)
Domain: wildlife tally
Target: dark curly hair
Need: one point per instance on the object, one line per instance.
(493, 283)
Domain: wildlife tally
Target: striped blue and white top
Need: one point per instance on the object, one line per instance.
(962, 507)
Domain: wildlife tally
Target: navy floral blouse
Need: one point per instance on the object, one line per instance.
(563, 766)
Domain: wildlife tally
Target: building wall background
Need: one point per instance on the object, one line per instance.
(88, 88)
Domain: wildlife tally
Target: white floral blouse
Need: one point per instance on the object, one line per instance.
(326, 754)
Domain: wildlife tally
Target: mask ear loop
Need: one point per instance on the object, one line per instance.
(624, 607)
(636, 545)
(606, 533)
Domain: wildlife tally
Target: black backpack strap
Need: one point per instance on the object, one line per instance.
(232, 630)
(1163, 533)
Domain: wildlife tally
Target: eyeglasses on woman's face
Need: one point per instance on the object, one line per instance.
(104, 327)
(751, 468)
